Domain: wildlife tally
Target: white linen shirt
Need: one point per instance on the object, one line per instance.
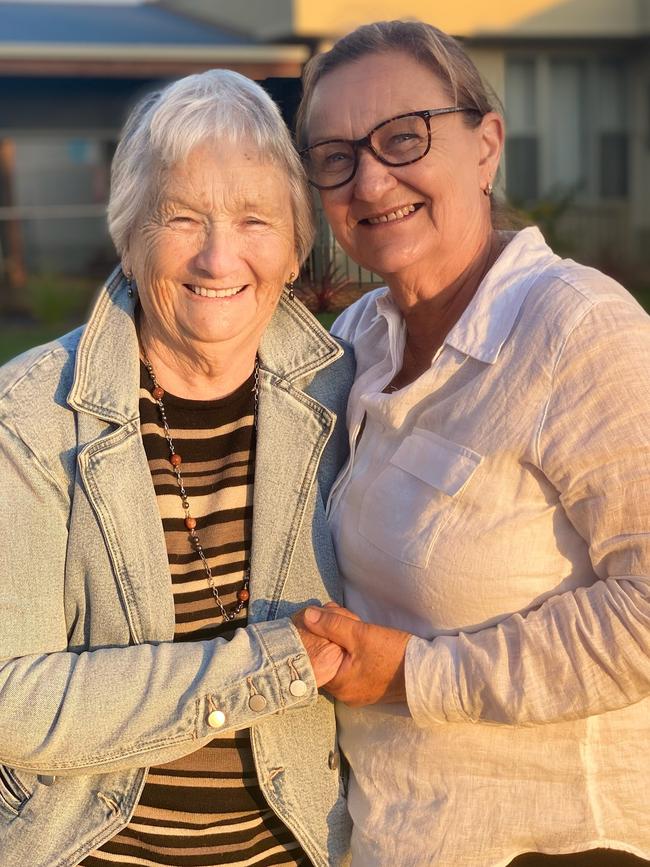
(498, 508)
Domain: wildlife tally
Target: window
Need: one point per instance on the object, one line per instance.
(613, 140)
(522, 158)
(567, 119)
(566, 126)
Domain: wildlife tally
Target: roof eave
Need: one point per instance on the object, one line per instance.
(147, 52)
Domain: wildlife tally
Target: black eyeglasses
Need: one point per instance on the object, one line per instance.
(398, 141)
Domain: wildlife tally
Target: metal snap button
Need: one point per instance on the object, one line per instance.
(297, 688)
(216, 719)
(257, 703)
(334, 760)
(46, 779)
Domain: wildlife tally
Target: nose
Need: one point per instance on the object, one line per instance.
(372, 179)
(217, 256)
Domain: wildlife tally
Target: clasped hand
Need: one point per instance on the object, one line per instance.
(358, 663)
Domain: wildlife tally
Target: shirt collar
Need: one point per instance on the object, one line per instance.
(488, 320)
(489, 317)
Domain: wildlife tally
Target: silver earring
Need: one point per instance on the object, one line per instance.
(129, 283)
(289, 286)
(488, 190)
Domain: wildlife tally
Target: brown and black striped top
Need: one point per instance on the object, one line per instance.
(207, 808)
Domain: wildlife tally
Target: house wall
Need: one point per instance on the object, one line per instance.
(475, 17)
(282, 18)
(65, 131)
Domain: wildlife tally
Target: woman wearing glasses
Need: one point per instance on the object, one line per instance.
(493, 520)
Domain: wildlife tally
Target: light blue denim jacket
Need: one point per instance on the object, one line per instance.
(92, 688)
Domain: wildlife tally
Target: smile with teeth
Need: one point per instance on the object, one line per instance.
(398, 214)
(214, 293)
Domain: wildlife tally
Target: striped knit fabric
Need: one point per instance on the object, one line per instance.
(207, 808)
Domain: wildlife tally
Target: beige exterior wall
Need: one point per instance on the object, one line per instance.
(508, 17)
(308, 18)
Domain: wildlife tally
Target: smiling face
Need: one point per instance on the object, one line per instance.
(212, 251)
(407, 221)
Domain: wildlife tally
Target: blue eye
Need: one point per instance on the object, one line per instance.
(337, 157)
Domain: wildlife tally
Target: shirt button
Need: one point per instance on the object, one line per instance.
(257, 703)
(216, 719)
(334, 760)
(297, 688)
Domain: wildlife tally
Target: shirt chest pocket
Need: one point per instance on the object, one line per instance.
(406, 506)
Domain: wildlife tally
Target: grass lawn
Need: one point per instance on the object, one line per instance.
(15, 339)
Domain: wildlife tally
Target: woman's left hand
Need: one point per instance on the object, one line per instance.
(372, 669)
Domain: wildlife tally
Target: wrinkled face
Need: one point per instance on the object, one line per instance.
(212, 251)
(393, 220)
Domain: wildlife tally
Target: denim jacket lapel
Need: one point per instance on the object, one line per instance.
(285, 471)
(117, 482)
(113, 466)
(294, 348)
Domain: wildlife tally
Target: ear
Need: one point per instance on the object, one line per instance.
(492, 136)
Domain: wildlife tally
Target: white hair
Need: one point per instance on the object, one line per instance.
(168, 124)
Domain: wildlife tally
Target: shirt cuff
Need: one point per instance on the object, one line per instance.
(429, 671)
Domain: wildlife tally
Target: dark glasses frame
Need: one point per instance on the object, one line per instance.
(366, 141)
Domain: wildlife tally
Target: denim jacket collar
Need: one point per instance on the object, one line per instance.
(293, 346)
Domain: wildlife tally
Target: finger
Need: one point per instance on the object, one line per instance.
(326, 663)
(298, 617)
(332, 625)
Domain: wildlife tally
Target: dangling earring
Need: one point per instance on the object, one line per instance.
(289, 286)
(488, 190)
(129, 283)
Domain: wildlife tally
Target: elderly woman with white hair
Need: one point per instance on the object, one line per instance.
(166, 468)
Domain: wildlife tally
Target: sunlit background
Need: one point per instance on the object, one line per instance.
(574, 78)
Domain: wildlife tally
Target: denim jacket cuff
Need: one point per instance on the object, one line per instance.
(285, 680)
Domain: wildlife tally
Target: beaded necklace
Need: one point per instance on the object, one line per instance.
(243, 594)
